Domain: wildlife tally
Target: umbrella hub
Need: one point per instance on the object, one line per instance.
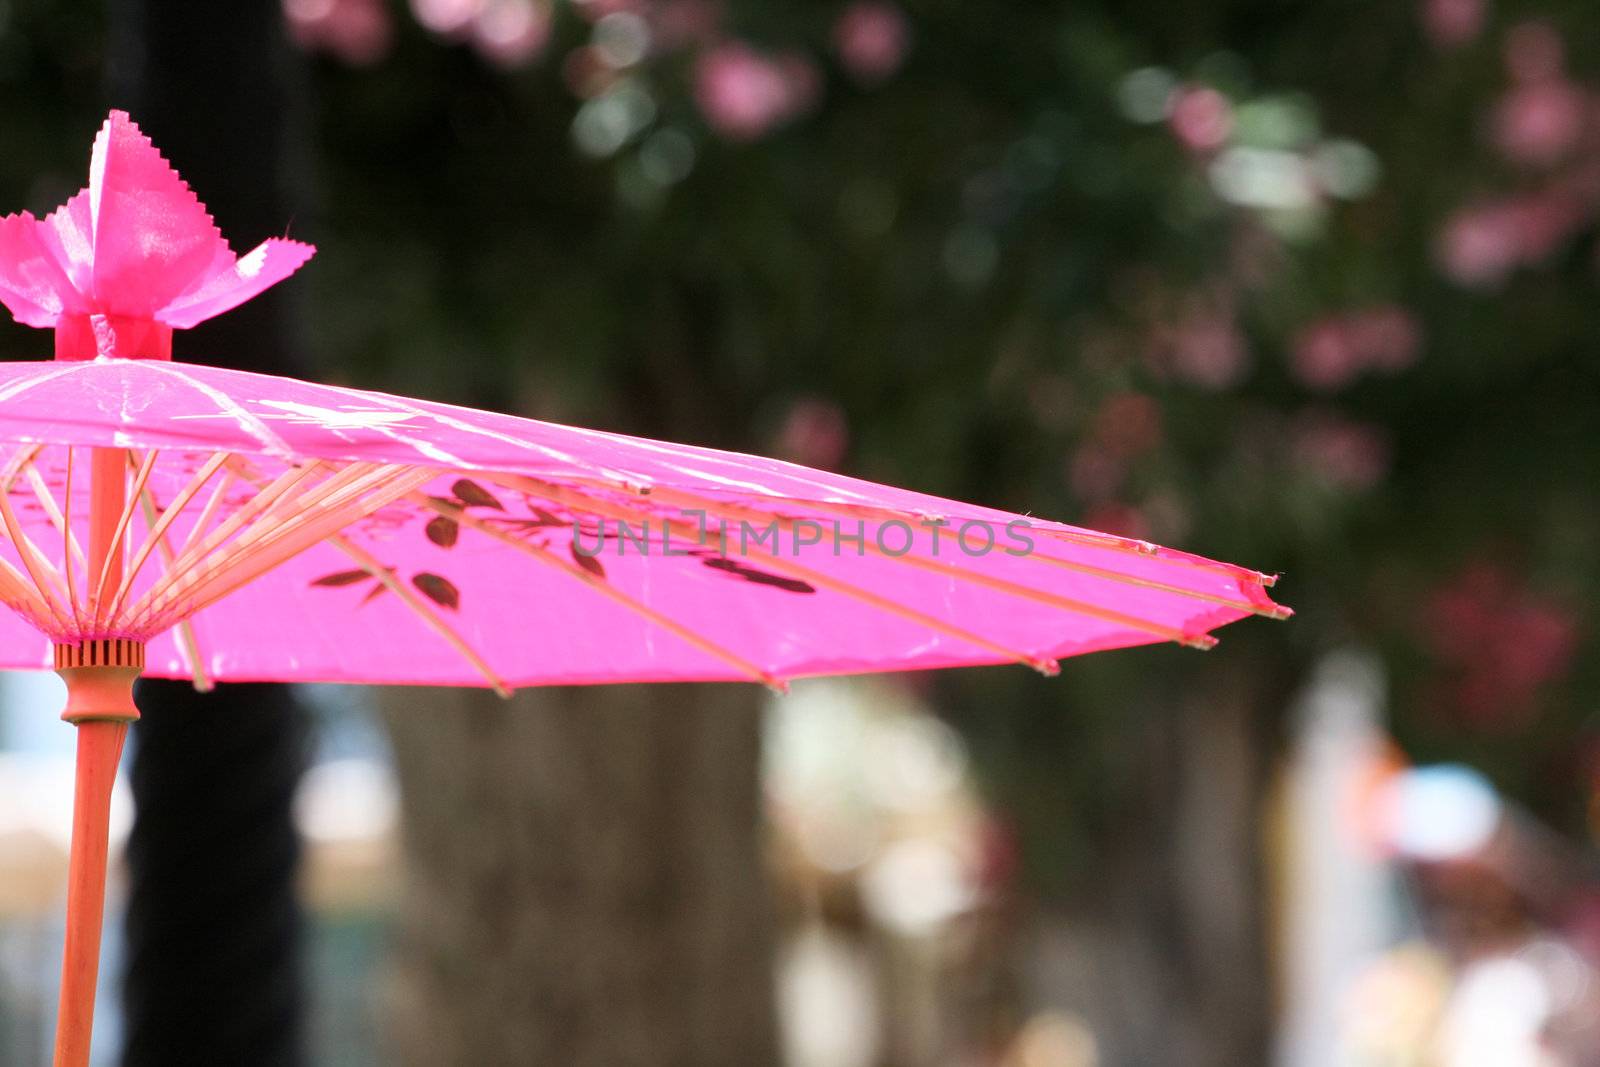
(82, 337)
(100, 673)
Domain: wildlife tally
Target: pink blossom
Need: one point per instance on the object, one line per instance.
(1208, 350)
(1344, 454)
(872, 38)
(1538, 123)
(1386, 337)
(744, 93)
(1330, 353)
(1451, 23)
(448, 18)
(1481, 245)
(511, 33)
(676, 23)
(1540, 639)
(1324, 356)
(1201, 118)
(1498, 644)
(1534, 51)
(360, 32)
(816, 433)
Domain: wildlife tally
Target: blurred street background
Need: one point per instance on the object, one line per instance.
(1310, 287)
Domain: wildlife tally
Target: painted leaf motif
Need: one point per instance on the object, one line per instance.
(438, 589)
(443, 531)
(750, 574)
(472, 494)
(375, 592)
(591, 564)
(339, 578)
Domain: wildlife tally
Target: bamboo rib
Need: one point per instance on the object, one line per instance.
(186, 563)
(188, 640)
(257, 505)
(946, 532)
(141, 472)
(346, 484)
(24, 455)
(433, 619)
(1087, 538)
(384, 486)
(582, 502)
(373, 566)
(604, 588)
(37, 565)
(71, 549)
(19, 594)
(8, 476)
(332, 511)
(157, 532)
(68, 542)
(208, 512)
(14, 585)
(1070, 604)
(951, 571)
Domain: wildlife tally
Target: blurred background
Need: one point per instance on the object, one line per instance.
(1309, 287)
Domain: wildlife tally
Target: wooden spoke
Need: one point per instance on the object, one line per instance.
(156, 533)
(605, 589)
(582, 502)
(188, 640)
(1086, 538)
(197, 590)
(936, 566)
(46, 579)
(207, 513)
(431, 618)
(68, 542)
(187, 561)
(948, 533)
(18, 589)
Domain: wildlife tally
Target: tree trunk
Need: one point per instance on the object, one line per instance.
(585, 883)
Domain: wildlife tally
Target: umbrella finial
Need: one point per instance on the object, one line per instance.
(130, 258)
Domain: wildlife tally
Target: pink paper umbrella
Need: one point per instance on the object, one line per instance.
(187, 521)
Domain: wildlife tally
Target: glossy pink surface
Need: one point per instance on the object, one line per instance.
(535, 623)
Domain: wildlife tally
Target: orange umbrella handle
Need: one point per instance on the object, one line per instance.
(99, 676)
(99, 748)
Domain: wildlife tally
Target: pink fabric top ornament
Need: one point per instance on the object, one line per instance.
(129, 259)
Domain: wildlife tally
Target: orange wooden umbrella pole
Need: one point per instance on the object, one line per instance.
(99, 749)
(99, 673)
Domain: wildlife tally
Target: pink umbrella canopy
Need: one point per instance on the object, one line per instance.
(188, 521)
(290, 523)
